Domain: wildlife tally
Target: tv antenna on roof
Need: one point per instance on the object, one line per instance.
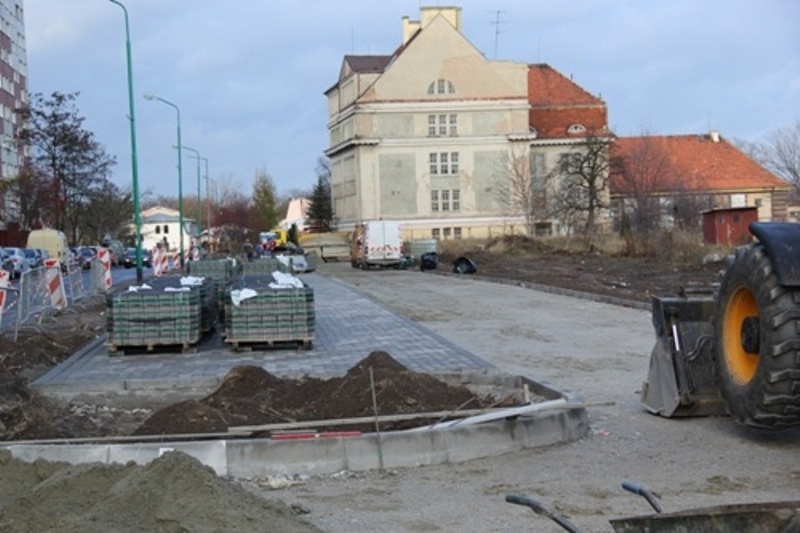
(496, 23)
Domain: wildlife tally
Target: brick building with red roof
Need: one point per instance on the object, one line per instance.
(454, 145)
(705, 167)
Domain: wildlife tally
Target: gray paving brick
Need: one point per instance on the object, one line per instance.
(349, 326)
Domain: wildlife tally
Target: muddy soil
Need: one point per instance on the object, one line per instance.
(176, 493)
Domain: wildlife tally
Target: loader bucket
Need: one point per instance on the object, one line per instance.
(682, 380)
(769, 517)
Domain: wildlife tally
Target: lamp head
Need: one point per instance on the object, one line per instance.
(148, 96)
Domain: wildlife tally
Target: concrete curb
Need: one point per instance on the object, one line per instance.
(252, 458)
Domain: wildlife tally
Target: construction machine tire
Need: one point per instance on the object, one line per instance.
(757, 335)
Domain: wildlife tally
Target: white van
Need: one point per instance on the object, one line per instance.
(53, 241)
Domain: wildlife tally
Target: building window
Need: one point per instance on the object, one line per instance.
(445, 200)
(538, 165)
(436, 233)
(441, 86)
(759, 202)
(446, 233)
(576, 128)
(166, 228)
(442, 125)
(456, 233)
(447, 163)
(158, 229)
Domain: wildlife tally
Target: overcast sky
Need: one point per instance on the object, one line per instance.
(249, 75)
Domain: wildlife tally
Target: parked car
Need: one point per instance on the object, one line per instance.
(42, 254)
(130, 258)
(21, 263)
(85, 256)
(34, 258)
(5, 263)
(117, 251)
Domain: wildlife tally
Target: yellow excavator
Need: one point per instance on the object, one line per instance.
(734, 348)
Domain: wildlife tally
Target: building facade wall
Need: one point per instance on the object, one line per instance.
(416, 142)
(13, 95)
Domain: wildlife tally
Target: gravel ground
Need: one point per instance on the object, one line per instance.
(598, 350)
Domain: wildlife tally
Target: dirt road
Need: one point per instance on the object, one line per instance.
(598, 350)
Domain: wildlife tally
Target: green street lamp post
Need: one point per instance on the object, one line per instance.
(208, 201)
(208, 198)
(180, 169)
(137, 217)
(199, 200)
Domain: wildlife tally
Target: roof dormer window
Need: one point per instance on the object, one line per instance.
(441, 86)
(576, 128)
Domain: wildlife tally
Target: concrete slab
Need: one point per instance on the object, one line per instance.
(349, 326)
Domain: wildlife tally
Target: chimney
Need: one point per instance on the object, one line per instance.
(714, 134)
(427, 14)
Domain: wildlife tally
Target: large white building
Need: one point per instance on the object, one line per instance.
(429, 134)
(13, 92)
(161, 226)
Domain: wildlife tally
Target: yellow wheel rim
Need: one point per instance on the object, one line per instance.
(741, 363)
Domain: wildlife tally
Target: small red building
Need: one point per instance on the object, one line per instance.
(728, 227)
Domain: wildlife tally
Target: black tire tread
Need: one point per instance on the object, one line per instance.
(772, 398)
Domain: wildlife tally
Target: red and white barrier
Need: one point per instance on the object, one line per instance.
(164, 261)
(159, 259)
(3, 287)
(55, 283)
(105, 260)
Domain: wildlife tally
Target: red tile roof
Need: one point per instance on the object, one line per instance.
(557, 103)
(547, 88)
(699, 163)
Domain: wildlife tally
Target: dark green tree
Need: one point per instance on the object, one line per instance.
(319, 217)
(265, 202)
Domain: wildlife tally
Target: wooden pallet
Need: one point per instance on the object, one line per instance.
(182, 347)
(269, 344)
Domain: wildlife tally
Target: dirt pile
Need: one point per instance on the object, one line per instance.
(172, 493)
(252, 396)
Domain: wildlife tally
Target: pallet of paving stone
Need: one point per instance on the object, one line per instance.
(264, 266)
(272, 317)
(153, 317)
(222, 271)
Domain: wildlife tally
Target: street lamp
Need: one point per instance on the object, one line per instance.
(199, 201)
(208, 198)
(137, 218)
(180, 166)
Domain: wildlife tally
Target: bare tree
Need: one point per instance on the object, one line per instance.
(642, 171)
(582, 178)
(29, 194)
(515, 187)
(67, 154)
(780, 152)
